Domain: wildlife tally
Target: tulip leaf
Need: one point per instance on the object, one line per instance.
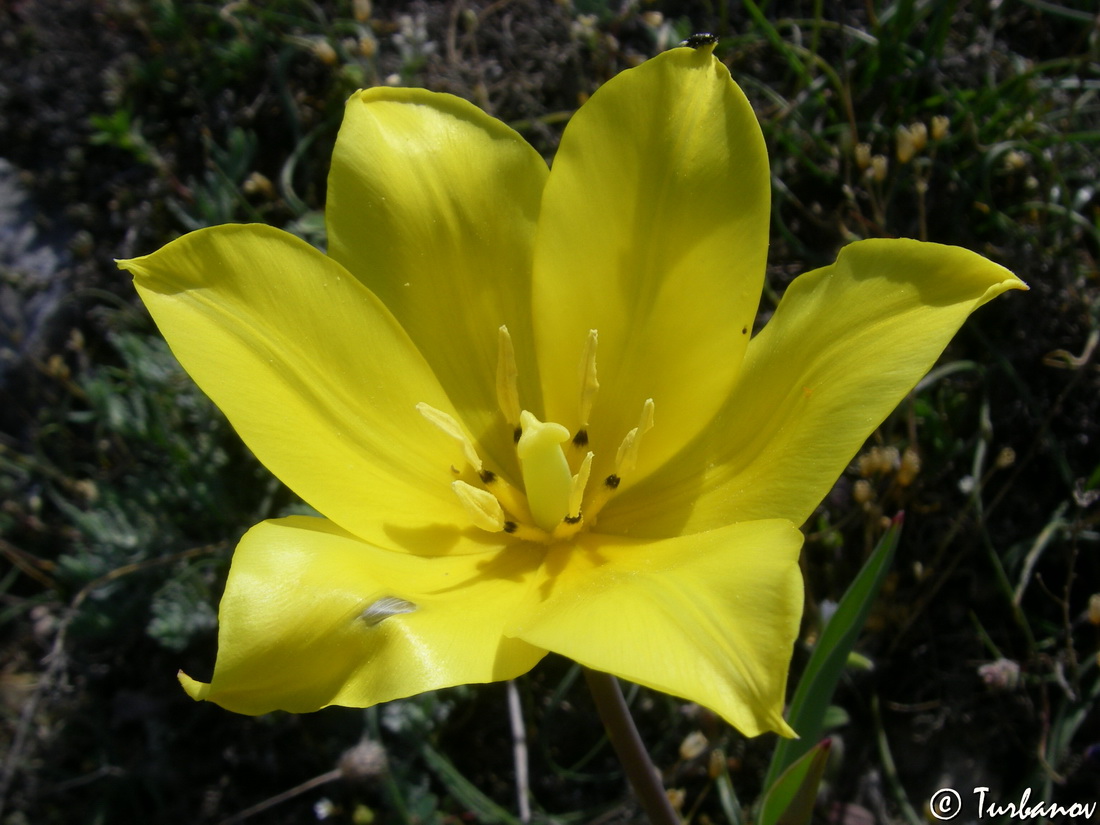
(815, 689)
(790, 800)
(482, 807)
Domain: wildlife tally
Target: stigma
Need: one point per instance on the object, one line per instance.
(557, 499)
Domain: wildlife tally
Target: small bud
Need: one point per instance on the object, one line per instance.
(694, 744)
(676, 797)
(862, 492)
(716, 764)
(1015, 161)
(909, 467)
(889, 459)
(1003, 674)
(863, 155)
(365, 760)
(918, 133)
(879, 167)
(361, 9)
(257, 184)
(1005, 458)
(57, 368)
(1094, 608)
(324, 52)
(906, 147)
(941, 127)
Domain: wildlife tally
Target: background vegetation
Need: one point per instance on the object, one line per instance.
(126, 123)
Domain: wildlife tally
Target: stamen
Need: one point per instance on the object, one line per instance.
(383, 608)
(589, 384)
(510, 498)
(576, 493)
(627, 456)
(526, 532)
(625, 461)
(572, 523)
(507, 377)
(451, 428)
(481, 506)
(546, 475)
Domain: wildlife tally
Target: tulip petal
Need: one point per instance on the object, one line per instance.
(433, 205)
(315, 375)
(845, 346)
(654, 232)
(313, 617)
(710, 617)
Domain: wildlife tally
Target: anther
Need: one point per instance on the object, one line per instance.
(571, 524)
(450, 427)
(576, 492)
(627, 456)
(625, 461)
(481, 506)
(507, 378)
(589, 384)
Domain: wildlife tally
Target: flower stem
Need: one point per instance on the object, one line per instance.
(624, 737)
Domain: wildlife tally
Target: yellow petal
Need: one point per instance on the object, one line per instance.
(315, 375)
(844, 347)
(313, 617)
(711, 617)
(654, 231)
(433, 204)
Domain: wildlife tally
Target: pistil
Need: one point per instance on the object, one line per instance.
(546, 475)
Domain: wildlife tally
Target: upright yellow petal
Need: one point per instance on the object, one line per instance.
(654, 231)
(433, 204)
(315, 375)
(845, 345)
(312, 617)
(712, 617)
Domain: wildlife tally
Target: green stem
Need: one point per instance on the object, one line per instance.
(624, 737)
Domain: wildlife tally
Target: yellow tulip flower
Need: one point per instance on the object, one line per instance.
(529, 405)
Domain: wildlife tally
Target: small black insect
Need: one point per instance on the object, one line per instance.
(701, 39)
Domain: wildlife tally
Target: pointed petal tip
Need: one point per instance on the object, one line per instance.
(778, 724)
(195, 689)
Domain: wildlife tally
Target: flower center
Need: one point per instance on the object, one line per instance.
(546, 476)
(556, 501)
